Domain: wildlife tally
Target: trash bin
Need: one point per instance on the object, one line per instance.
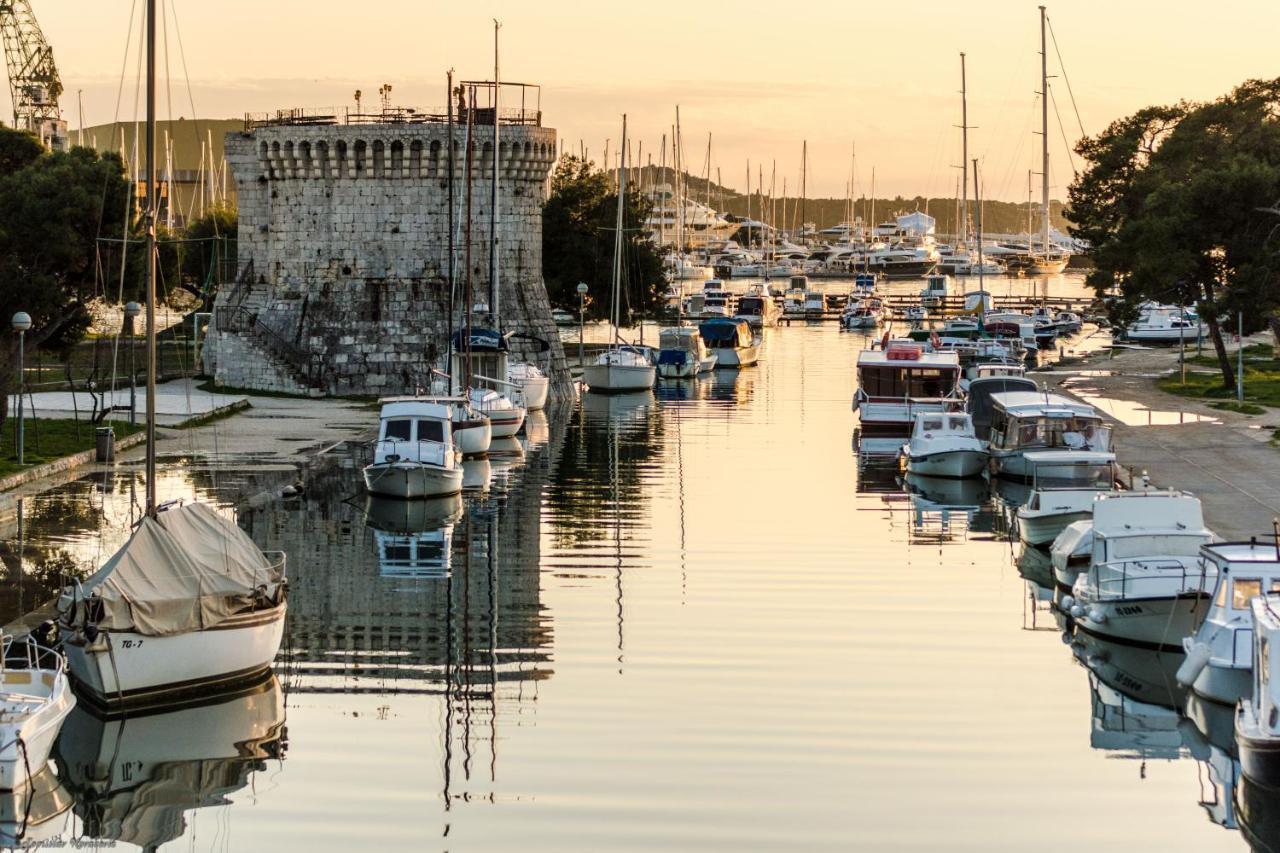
(106, 442)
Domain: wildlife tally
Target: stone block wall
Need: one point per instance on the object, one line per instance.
(345, 231)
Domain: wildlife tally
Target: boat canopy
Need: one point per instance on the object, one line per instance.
(480, 340)
(1123, 514)
(187, 569)
(726, 333)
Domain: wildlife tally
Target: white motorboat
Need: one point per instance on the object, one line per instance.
(188, 605)
(758, 309)
(35, 697)
(1257, 726)
(472, 430)
(480, 365)
(1146, 584)
(814, 305)
(561, 317)
(1219, 663)
(934, 293)
(731, 342)
(897, 380)
(1023, 421)
(944, 445)
(1063, 486)
(532, 383)
(505, 415)
(1071, 552)
(862, 314)
(618, 371)
(1163, 324)
(414, 455)
(682, 353)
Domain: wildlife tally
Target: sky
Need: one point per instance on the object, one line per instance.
(761, 78)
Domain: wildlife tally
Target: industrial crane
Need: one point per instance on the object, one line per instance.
(33, 78)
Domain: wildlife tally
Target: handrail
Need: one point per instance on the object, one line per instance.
(308, 366)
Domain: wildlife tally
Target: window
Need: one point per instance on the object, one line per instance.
(1242, 590)
(430, 431)
(932, 424)
(398, 429)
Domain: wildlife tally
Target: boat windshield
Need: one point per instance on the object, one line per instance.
(1154, 545)
(1071, 432)
(1074, 475)
(750, 305)
(920, 382)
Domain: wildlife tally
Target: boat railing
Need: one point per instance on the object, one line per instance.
(511, 389)
(407, 450)
(277, 564)
(1119, 581)
(25, 653)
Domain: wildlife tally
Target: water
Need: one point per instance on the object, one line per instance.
(682, 620)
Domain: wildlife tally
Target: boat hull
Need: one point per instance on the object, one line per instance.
(534, 392)
(953, 464)
(504, 423)
(37, 733)
(473, 437)
(122, 669)
(1157, 623)
(1042, 529)
(1259, 754)
(618, 378)
(1223, 684)
(412, 480)
(736, 356)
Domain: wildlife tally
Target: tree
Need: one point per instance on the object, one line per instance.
(53, 207)
(209, 240)
(1172, 204)
(578, 227)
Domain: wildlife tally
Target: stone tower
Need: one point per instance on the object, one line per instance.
(343, 249)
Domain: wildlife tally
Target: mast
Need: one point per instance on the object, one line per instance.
(679, 147)
(804, 174)
(964, 156)
(448, 351)
(494, 289)
(662, 222)
(982, 286)
(150, 266)
(617, 237)
(1044, 132)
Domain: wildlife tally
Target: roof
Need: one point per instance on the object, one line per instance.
(879, 357)
(1243, 552)
(1063, 457)
(188, 569)
(1028, 402)
(1147, 511)
(411, 407)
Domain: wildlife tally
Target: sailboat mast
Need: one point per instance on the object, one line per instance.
(494, 289)
(1044, 131)
(982, 289)
(453, 265)
(150, 266)
(804, 174)
(617, 237)
(964, 156)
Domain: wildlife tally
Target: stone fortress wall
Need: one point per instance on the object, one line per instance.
(343, 253)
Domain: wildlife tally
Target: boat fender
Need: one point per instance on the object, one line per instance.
(1097, 614)
(1067, 603)
(1077, 611)
(1197, 659)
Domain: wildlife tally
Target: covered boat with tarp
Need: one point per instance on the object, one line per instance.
(188, 604)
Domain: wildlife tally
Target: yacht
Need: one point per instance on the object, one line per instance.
(1219, 664)
(730, 341)
(1146, 583)
(682, 353)
(897, 380)
(943, 444)
(672, 219)
(1258, 717)
(715, 299)
(682, 268)
(981, 393)
(1063, 486)
(35, 697)
(901, 262)
(758, 309)
(188, 605)
(862, 314)
(414, 455)
(1163, 324)
(1023, 421)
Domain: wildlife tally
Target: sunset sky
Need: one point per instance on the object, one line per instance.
(761, 77)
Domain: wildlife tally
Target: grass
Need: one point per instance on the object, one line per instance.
(1258, 356)
(93, 358)
(1261, 381)
(50, 439)
(1238, 408)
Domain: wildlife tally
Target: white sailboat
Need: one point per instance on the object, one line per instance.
(619, 368)
(189, 604)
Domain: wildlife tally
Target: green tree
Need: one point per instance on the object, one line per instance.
(578, 227)
(1172, 203)
(209, 240)
(53, 207)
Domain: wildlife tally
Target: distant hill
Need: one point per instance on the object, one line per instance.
(998, 217)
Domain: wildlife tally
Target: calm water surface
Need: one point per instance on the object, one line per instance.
(675, 620)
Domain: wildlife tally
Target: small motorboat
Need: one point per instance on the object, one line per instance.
(944, 445)
(683, 353)
(814, 305)
(1219, 662)
(731, 342)
(505, 415)
(531, 382)
(1258, 718)
(414, 455)
(934, 293)
(1063, 486)
(620, 370)
(561, 317)
(35, 697)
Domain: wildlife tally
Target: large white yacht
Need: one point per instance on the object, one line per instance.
(896, 381)
(694, 223)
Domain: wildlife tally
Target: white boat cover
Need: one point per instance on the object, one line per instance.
(187, 569)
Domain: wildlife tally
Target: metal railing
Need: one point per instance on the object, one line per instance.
(1120, 581)
(307, 367)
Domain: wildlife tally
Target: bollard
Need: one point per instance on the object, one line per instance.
(105, 444)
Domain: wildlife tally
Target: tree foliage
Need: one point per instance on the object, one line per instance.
(1174, 204)
(578, 228)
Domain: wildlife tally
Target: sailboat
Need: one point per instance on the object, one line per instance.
(619, 368)
(189, 604)
(1049, 261)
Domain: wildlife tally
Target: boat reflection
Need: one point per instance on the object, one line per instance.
(1219, 774)
(36, 815)
(1135, 698)
(1034, 565)
(943, 509)
(1258, 812)
(414, 538)
(135, 778)
(684, 389)
(625, 409)
(477, 474)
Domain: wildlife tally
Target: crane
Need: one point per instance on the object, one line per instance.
(33, 78)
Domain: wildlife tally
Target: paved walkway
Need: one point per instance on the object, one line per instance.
(176, 401)
(1224, 458)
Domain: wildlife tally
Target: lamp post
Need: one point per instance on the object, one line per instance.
(21, 322)
(582, 320)
(131, 312)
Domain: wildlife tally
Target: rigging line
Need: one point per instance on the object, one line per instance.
(1071, 157)
(124, 60)
(186, 75)
(1063, 68)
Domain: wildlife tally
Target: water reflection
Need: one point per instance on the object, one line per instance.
(135, 778)
(414, 538)
(36, 815)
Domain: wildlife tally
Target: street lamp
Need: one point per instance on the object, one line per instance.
(582, 319)
(131, 312)
(21, 322)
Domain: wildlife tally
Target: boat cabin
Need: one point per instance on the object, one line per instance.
(1025, 420)
(983, 389)
(1145, 523)
(895, 383)
(752, 306)
(1245, 570)
(1072, 470)
(481, 354)
(411, 429)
